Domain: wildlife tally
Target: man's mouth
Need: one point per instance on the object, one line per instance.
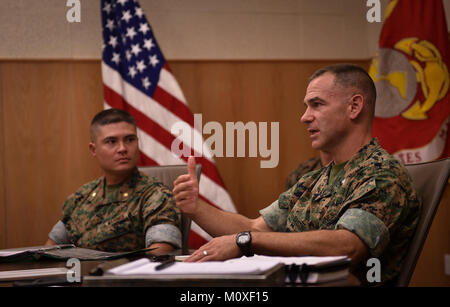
(313, 132)
(123, 160)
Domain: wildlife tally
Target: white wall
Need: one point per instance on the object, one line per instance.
(200, 29)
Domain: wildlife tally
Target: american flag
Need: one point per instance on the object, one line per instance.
(136, 78)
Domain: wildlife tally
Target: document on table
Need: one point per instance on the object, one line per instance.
(308, 260)
(244, 265)
(146, 267)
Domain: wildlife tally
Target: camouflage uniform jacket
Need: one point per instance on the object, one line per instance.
(372, 196)
(303, 168)
(115, 218)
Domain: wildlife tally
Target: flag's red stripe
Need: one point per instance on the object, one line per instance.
(158, 132)
(144, 160)
(173, 105)
(195, 240)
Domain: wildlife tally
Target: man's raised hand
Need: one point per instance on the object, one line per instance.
(185, 189)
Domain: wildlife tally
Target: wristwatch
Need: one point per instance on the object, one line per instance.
(243, 241)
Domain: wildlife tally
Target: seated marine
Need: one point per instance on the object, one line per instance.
(124, 209)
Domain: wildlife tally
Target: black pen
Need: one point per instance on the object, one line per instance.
(165, 264)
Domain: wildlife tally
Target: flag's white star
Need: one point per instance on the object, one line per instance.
(113, 41)
(139, 12)
(144, 28)
(135, 49)
(128, 55)
(132, 71)
(146, 83)
(116, 58)
(110, 24)
(107, 8)
(153, 60)
(140, 65)
(148, 44)
(126, 16)
(131, 32)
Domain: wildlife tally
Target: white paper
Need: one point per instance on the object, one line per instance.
(244, 265)
(145, 267)
(309, 260)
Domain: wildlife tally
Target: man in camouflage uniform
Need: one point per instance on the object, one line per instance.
(361, 205)
(124, 209)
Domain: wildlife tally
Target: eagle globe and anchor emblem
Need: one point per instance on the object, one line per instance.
(397, 79)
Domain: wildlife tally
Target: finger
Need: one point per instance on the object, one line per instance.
(184, 186)
(191, 167)
(183, 196)
(182, 178)
(195, 257)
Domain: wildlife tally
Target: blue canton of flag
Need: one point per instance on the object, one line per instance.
(129, 44)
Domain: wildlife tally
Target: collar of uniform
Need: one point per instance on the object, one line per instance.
(119, 192)
(323, 189)
(361, 156)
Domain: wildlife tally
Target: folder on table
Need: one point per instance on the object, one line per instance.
(63, 252)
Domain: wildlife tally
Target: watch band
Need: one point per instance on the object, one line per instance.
(243, 241)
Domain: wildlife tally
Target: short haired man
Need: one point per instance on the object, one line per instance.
(124, 209)
(361, 205)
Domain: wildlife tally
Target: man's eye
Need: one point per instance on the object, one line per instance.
(110, 141)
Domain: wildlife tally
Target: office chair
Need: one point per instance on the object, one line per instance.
(167, 175)
(430, 180)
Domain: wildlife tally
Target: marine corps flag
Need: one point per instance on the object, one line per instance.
(410, 71)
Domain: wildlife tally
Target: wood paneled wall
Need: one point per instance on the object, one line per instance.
(46, 108)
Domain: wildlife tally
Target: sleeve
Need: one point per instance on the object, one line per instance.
(163, 233)
(375, 208)
(69, 206)
(275, 217)
(159, 209)
(59, 233)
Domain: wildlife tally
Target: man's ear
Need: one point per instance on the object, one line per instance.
(355, 106)
(92, 148)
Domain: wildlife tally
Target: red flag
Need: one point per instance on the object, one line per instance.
(410, 71)
(136, 78)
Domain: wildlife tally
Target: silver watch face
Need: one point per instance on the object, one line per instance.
(242, 239)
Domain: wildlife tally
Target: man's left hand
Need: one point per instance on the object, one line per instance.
(218, 249)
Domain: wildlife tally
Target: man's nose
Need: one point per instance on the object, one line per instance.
(122, 147)
(306, 117)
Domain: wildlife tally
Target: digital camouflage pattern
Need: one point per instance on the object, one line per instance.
(372, 196)
(303, 168)
(115, 218)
